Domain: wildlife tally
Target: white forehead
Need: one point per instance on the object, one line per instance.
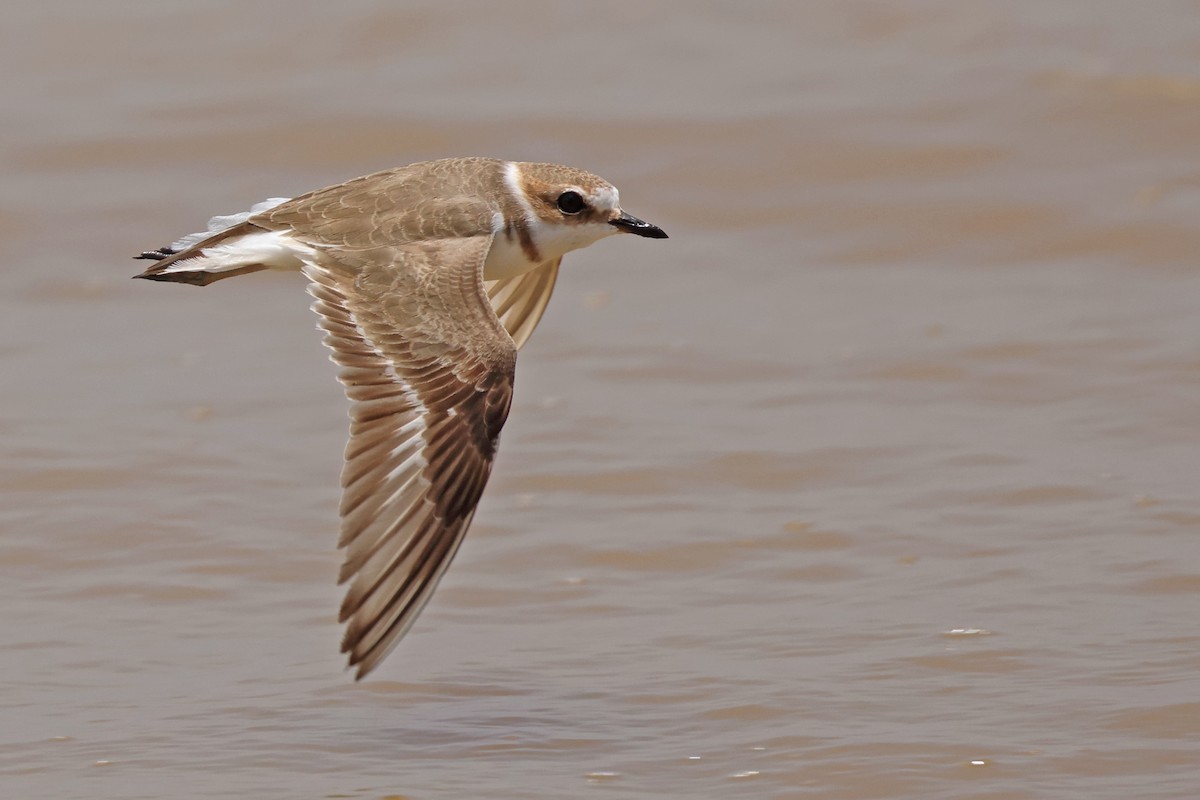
(606, 197)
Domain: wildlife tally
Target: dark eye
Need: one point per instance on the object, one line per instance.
(571, 203)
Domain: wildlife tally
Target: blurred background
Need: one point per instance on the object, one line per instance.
(877, 480)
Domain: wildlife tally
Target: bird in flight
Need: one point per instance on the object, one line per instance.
(427, 279)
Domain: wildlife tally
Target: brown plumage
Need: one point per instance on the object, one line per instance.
(427, 279)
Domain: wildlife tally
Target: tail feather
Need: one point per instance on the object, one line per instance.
(197, 277)
(231, 246)
(200, 264)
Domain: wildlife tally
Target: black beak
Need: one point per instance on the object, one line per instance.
(634, 225)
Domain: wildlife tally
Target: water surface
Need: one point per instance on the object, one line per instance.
(877, 480)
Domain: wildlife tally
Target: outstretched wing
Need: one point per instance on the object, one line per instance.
(520, 300)
(429, 370)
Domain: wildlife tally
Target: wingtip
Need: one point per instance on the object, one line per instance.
(358, 662)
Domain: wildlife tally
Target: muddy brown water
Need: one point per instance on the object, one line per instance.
(877, 480)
